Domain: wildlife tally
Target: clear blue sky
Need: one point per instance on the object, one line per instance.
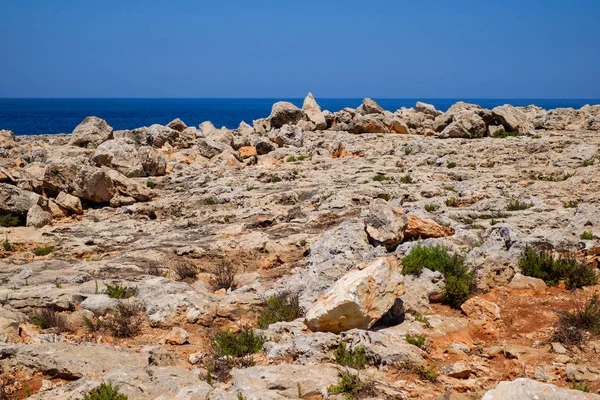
(285, 48)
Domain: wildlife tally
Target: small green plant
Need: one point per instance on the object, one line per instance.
(381, 178)
(431, 207)
(7, 246)
(459, 280)
(422, 319)
(280, 307)
(184, 270)
(416, 340)
(43, 250)
(452, 202)
(352, 386)
(105, 392)
(384, 196)
(408, 150)
(502, 134)
(581, 387)
(570, 204)
(540, 264)
(588, 163)
(517, 205)
(250, 188)
(9, 220)
(120, 292)
(275, 179)
(291, 159)
(241, 397)
(355, 358)
(587, 235)
(92, 326)
(449, 188)
(574, 326)
(490, 164)
(47, 319)
(428, 372)
(150, 183)
(239, 344)
(406, 179)
(211, 201)
(126, 321)
(451, 164)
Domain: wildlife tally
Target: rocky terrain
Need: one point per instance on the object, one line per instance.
(140, 258)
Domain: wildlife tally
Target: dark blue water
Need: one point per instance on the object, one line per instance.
(37, 116)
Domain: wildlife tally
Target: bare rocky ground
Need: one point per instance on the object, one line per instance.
(316, 204)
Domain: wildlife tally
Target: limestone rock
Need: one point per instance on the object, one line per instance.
(285, 113)
(366, 124)
(513, 119)
(91, 132)
(287, 135)
(466, 124)
(37, 217)
(358, 299)
(177, 125)
(458, 370)
(481, 309)
(17, 201)
(425, 228)
(177, 336)
(369, 106)
(385, 224)
(528, 389)
(578, 372)
(428, 109)
(7, 139)
(313, 112)
(69, 202)
(527, 282)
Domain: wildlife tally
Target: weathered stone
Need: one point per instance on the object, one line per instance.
(69, 202)
(369, 106)
(578, 372)
(513, 119)
(177, 336)
(481, 309)
(284, 113)
(466, 124)
(7, 139)
(287, 135)
(458, 370)
(428, 109)
(313, 112)
(177, 125)
(528, 389)
(358, 299)
(37, 217)
(17, 201)
(91, 132)
(385, 224)
(425, 228)
(527, 282)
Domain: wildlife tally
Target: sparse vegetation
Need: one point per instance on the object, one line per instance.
(43, 250)
(48, 319)
(353, 387)
(583, 387)
(502, 134)
(452, 202)
(408, 150)
(416, 340)
(150, 183)
(251, 187)
(126, 321)
(280, 307)
(427, 372)
(211, 201)
(406, 179)
(9, 220)
(106, 391)
(6, 245)
(517, 205)
(587, 235)
(275, 179)
(574, 327)
(540, 264)
(570, 204)
(355, 358)
(431, 207)
(381, 178)
(588, 163)
(451, 164)
(119, 291)
(459, 280)
(237, 345)
(184, 270)
(224, 276)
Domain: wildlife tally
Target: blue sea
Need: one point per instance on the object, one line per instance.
(46, 116)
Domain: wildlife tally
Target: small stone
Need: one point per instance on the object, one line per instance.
(177, 336)
(457, 370)
(558, 348)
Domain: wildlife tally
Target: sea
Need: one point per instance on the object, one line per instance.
(50, 116)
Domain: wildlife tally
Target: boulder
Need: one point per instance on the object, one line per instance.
(313, 112)
(119, 155)
(359, 299)
(287, 135)
(263, 146)
(513, 119)
(209, 132)
(369, 106)
(528, 389)
(284, 113)
(91, 132)
(428, 109)
(152, 162)
(209, 148)
(9, 331)
(37, 217)
(177, 336)
(395, 125)
(479, 308)
(366, 124)
(156, 136)
(16, 201)
(465, 124)
(245, 130)
(177, 125)
(385, 224)
(128, 187)
(69, 202)
(425, 228)
(520, 282)
(7, 139)
(94, 184)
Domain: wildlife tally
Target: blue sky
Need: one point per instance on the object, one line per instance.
(285, 48)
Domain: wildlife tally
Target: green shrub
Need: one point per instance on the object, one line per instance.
(452, 202)
(516, 205)
(240, 344)
(581, 387)
(381, 178)
(105, 392)
(280, 307)
(211, 201)
(415, 340)
(120, 292)
(570, 204)
(408, 151)
(47, 318)
(430, 207)
(7, 246)
(275, 179)
(355, 358)
(406, 179)
(451, 164)
(150, 183)
(126, 321)
(353, 387)
(43, 250)
(9, 220)
(573, 326)
(587, 235)
(502, 134)
(428, 372)
(459, 280)
(250, 188)
(540, 264)
(587, 163)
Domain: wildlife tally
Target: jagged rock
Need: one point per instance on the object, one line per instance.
(128, 187)
(121, 201)
(264, 146)
(358, 299)
(385, 224)
(99, 304)
(37, 217)
(261, 126)
(17, 201)
(366, 124)
(428, 109)
(284, 113)
(494, 129)
(513, 119)
(287, 135)
(177, 125)
(153, 163)
(209, 148)
(385, 347)
(466, 124)
(245, 130)
(94, 184)
(481, 309)
(177, 336)
(369, 106)
(9, 331)
(425, 228)
(526, 282)
(91, 132)
(578, 373)
(7, 139)
(128, 160)
(458, 370)
(395, 125)
(528, 389)
(422, 290)
(313, 112)
(69, 202)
